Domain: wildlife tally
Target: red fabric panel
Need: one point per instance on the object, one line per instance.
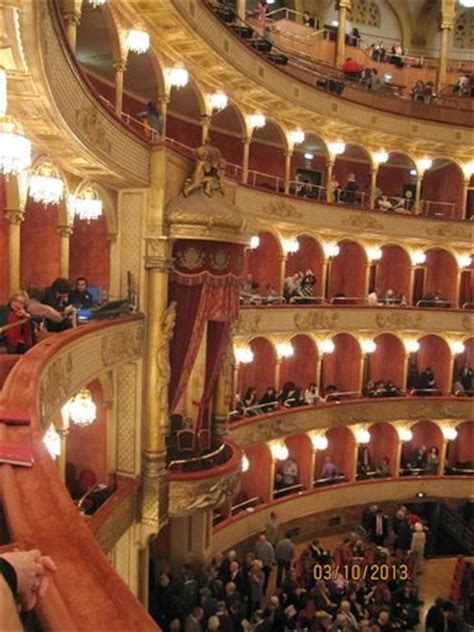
(301, 367)
(261, 372)
(183, 131)
(441, 273)
(348, 270)
(435, 353)
(217, 339)
(383, 443)
(256, 481)
(466, 294)
(462, 448)
(343, 168)
(342, 367)
(230, 146)
(392, 179)
(39, 245)
(387, 362)
(267, 159)
(444, 185)
(424, 433)
(89, 252)
(263, 263)
(301, 449)
(4, 289)
(341, 448)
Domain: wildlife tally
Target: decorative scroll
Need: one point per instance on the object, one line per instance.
(187, 497)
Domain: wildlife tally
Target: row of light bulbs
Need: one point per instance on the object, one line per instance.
(245, 355)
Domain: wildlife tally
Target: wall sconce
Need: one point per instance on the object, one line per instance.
(464, 261)
(326, 346)
(254, 242)
(374, 254)
(138, 41)
(331, 250)
(368, 346)
(411, 346)
(337, 148)
(284, 350)
(380, 157)
(291, 246)
(456, 347)
(256, 121)
(243, 355)
(362, 436)
(423, 164)
(413, 172)
(279, 450)
(176, 77)
(319, 440)
(245, 463)
(217, 101)
(468, 170)
(417, 257)
(308, 156)
(405, 434)
(449, 433)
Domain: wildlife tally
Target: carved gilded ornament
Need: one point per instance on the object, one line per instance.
(191, 258)
(467, 322)
(187, 497)
(157, 255)
(14, 216)
(267, 430)
(167, 324)
(89, 123)
(220, 260)
(55, 386)
(248, 323)
(283, 210)
(316, 320)
(362, 221)
(399, 320)
(450, 231)
(65, 231)
(122, 346)
(117, 523)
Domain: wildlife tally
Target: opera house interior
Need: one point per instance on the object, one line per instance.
(236, 300)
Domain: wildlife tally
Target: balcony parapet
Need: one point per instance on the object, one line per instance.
(207, 488)
(280, 424)
(288, 319)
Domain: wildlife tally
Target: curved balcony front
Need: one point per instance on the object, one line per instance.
(37, 507)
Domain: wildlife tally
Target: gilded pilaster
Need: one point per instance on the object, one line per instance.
(65, 233)
(343, 6)
(446, 25)
(71, 11)
(14, 218)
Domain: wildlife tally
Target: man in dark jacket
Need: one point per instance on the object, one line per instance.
(57, 297)
(435, 618)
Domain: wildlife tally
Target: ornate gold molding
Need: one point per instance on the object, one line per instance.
(189, 496)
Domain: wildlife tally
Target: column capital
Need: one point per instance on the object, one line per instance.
(344, 4)
(120, 65)
(112, 238)
(289, 152)
(65, 231)
(164, 99)
(247, 140)
(157, 254)
(14, 215)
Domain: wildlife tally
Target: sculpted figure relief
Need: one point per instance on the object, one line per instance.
(168, 321)
(208, 170)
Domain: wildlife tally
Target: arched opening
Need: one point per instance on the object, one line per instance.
(460, 452)
(309, 168)
(396, 179)
(342, 368)
(300, 368)
(337, 462)
(267, 157)
(4, 258)
(352, 173)
(348, 272)
(442, 189)
(463, 381)
(259, 374)
(309, 257)
(262, 264)
(434, 353)
(387, 363)
(466, 294)
(86, 453)
(39, 242)
(294, 473)
(184, 115)
(383, 449)
(89, 253)
(422, 454)
(255, 484)
(441, 275)
(227, 132)
(393, 271)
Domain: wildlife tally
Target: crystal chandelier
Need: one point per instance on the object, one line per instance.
(3, 91)
(15, 149)
(87, 205)
(46, 187)
(296, 137)
(217, 101)
(97, 3)
(256, 121)
(81, 408)
(52, 441)
(138, 41)
(176, 77)
(337, 148)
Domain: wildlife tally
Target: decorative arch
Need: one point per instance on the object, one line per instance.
(259, 374)
(387, 363)
(343, 366)
(441, 271)
(394, 269)
(348, 270)
(300, 368)
(262, 263)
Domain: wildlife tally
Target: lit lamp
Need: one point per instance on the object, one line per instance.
(405, 434)
(254, 242)
(456, 347)
(15, 148)
(449, 433)
(468, 170)
(279, 450)
(284, 350)
(464, 261)
(411, 346)
(308, 155)
(417, 257)
(469, 4)
(362, 436)
(380, 157)
(138, 41)
(176, 77)
(81, 408)
(52, 441)
(46, 187)
(97, 3)
(295, 137)
(368, 346)
(326, 346)
(291, 246)
(331, 250)
(87, 205)
(374, 254)
(217, 101)
(245, 463)
(256, 121)
(423, 164)
(336, 148)
(319, 440)
(243, 355)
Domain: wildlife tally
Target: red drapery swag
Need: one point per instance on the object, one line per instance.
(200, 298)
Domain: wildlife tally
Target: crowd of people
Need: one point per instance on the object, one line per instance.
(53, 308)
(422, 460)
(290, 396)
(270, 587)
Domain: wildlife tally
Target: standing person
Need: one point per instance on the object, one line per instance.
(350, 190)
(380, 528)
(256, 584)
(193, 620)
(284, 554)
(271, 529)
(265, 553)
(432, 461)
(435, 618)
(152, 117)
(465, 377)
(20, 332)
(418, 543)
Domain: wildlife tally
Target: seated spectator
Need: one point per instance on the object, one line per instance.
(427, 380)
(378, 51)
(364, 462)
(429, 92)
(432, 461)
(291, 286)
(249, 401)
(369, 389)
(465, 377)
(332, 393)
(383, 468)
(20, 330)
(355, 36)
(57, 297)
(375, 82)
(290, 472)
(269, 295)
(308, 20)
(396, 55)
(461, 87)
(390, 297)
(311, 394)
(351, 68)
(432, 299)
(270, 399)
(334, 190)
(384, 204)
(413, 378)
(418, 91)
(348, 195)
(373, 298)
(79, 296)
(306, 287)
(329, 469)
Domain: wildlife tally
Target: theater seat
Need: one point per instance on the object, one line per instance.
(86, 480)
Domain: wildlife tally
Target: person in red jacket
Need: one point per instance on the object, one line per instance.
(351, 68)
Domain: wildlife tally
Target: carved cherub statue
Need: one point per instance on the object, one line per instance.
(208, 170)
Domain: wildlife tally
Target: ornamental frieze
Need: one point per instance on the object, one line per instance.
(362, 221)
(399, 320)
(283, 210)
(121, 346)
(451, 231)
(187, 496)
(56, 385)
(91, 126)
(191, 259)
(248, 323)
(316, 320)
(220, 260)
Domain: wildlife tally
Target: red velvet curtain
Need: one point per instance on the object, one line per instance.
(217, 338)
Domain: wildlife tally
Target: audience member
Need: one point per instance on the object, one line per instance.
(351, 68)
(80, 297)
(57, 297)
(20, 330)
(348, 194)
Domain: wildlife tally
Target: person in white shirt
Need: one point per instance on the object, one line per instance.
(373, 298)
(311, 394)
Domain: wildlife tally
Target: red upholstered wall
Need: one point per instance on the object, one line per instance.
(301, 367)
(393, 270)
(4, 290)
(441, 272)
(301, 449)
(86, 447)
(424, 433)
(263, 263)
(342, 367)
(392, 179)
(308, 257)
(261, 372)
(183, 131)
(462, 448)
(444, 185)
(341, 448)
(267, 158)
(256, 481)
(383, 443)
(466, 287)
(388, 360)
(348, 270)
(434, 352)
(230, 146)
(39, 245)
(89, 252)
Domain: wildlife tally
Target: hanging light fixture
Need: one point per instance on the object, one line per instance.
(3, 91)
(52, 441)
(449, 433)
(254, 242)
(256, 121)
(138, 41)
(319, 440)
(331, 250)
(380, 157)
(374, 254)
(424, 164)
(217, 101)
(87, 205)
(456, 347)
(326, 346)
(368, 346)
(45, 186)
(296, 137)
(97, 3)
(464, 261)
(405, 434)
(412, 346)
(291, 245)
(15, 148)
(81, 408)
(362, 436)
(279, 450)
(337, 148)
(285, 350)
(243, 355)
(176, 77)
(418, 257)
